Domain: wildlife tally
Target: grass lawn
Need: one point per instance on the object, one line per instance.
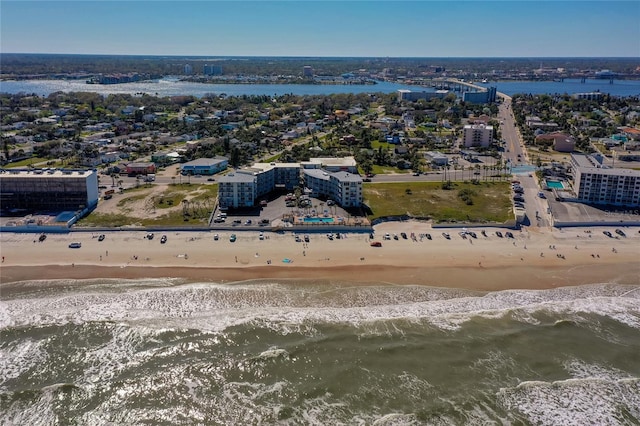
(490, 201)
(169, 207)
(381, 170)
(26, 163)
(385, 145)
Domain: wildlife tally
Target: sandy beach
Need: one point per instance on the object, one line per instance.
(535, 259)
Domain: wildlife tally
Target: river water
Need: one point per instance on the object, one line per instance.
(172, 87)
(105, 352)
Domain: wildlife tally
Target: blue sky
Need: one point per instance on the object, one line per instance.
(323, 28)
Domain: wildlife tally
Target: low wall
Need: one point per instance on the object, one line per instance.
(511, 224)
(36, 229)
(618, 223)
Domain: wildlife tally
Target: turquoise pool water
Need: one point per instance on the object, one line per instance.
(318, 219)
(555, 184)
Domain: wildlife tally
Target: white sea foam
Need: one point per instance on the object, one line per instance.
(19, 358)
(575, 401)
(217, 307)
(582, 370)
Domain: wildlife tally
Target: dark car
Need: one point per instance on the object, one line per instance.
(101, 237)
(403, 235)
(428, 236)
(608, 234)
(150, 236)
(163, 239)
(620, 232)
(447, 236)
(509, 234)
(499, 234)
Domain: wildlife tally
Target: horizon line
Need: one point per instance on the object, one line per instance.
(317, 56)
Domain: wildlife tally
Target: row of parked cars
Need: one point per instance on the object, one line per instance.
(518, 192)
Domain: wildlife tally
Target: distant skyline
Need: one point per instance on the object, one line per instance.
(327, 28)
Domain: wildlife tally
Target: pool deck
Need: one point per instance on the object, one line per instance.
(556, 184)
(337, 221)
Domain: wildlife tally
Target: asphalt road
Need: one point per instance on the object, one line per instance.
(516, 153)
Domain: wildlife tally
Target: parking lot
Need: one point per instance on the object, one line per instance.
(272, 214)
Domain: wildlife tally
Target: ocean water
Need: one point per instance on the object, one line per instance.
(165, 352)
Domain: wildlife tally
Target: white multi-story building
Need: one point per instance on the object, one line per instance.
(596, 184)
(244, 186)
(342, 187)
(237, 190)
(53, 190)
(477, 135)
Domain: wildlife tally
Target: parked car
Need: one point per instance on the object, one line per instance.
(306, 238)
(150, 236)
(261, 236)
(387, 236)
(376, 244)
(101, 237)
(620, 232)
(403, 235)
(216, 237)
(608, 234)
(163, 239)
(428, 236)
(499, 234)
(447, 236)
(248, 222)
(232, 238)
(509, 234)
(75, 245)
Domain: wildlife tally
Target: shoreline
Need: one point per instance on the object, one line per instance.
(533, 259)
(499, 278)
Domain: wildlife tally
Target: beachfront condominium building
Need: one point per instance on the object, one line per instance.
(48, 190)
(334, 178)
(477, 135)
(342, 187)
(596, 184)
(237, 190)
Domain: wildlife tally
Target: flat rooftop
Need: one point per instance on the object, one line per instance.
(39, 173)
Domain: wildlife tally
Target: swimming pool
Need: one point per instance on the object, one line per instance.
(555, 184)
(318, 219)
